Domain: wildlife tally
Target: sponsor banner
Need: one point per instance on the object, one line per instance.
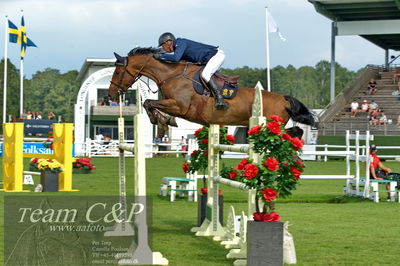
(35, 147)
(35, 127)
(65, 230)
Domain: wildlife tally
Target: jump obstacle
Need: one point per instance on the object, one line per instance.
(139, 252)
(211, 225)
(13, 167)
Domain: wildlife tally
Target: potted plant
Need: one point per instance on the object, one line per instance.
(49, 171)
(82, 166)
(274, 177)
(198, 163)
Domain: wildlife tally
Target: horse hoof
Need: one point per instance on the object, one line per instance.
(172, 122)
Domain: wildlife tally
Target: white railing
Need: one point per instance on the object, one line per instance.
(95, 149)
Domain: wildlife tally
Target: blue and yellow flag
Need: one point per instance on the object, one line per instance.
(25, 41)
(14, 33)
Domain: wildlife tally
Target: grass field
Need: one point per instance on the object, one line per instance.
(328, 229)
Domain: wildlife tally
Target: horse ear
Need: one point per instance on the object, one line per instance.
(120, 59)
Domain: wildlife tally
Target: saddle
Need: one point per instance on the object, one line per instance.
(228, 85)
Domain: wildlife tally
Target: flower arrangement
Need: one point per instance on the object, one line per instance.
(44, 164)
(83, 163)
(199, 158)
(278, 171)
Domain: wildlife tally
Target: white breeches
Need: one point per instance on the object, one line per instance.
(213, 65)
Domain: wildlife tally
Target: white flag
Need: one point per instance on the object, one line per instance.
(273, 27)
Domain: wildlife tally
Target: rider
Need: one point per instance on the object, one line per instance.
(212, 56)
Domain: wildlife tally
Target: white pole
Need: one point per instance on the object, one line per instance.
(21, 99)
(5, 72)
(21, 96)
(267, 47)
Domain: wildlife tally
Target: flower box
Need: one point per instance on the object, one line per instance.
(49, 180)
(264, 243)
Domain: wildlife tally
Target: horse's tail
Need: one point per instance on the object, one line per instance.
(299, 112)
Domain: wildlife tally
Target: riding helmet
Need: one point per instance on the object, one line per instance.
(165, 37)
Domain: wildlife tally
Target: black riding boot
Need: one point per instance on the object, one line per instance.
(220, 104)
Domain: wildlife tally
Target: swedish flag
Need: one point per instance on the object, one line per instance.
(14, 33)
(25, 41)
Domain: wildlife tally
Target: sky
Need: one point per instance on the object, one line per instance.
(69, 31)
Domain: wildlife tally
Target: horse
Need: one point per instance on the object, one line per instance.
(174, 80)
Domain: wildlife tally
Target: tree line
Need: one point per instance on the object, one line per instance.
(52, 91)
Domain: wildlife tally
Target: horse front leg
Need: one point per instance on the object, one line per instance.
(156, 109)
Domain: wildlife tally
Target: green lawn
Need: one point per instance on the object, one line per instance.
(328, 229)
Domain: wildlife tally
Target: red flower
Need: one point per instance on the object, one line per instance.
(242, 163)
(276, 118)
(206, 153)
(272, 164)
(232, 174)
(269, 194)
(274, 127)
(204, 141)
(300, 163)
(51, 146)
(285, 164)
(230, 138)
(287, 137)
(258, 216)
(250, 171)
(197, 132)
(272, 217)
(296, 172)
(254, 130)
(194, 153)
(185, 167)
(297, 143)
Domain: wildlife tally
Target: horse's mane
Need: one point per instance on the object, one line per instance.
(144, 50)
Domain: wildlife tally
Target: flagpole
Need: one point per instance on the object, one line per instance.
(21, 96)
(5, 72)
(267, 48)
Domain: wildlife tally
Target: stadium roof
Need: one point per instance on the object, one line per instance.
(378, 21)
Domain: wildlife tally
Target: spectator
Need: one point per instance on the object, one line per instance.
(354, 108)
(183, 145)
(313, 139)
(373, 118)
(382, 119)
(29, 115)
(373, 106)
(98, 138)
(106, 139)
(364, 106)
(398, 121)
(157, 141)
(372, 86)
(51, 116)
(38, 116)
(377, 169)
(396, 76)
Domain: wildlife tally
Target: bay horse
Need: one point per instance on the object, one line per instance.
(174, 80)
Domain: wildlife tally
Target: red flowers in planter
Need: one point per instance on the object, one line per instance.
(278, 170)
(83, 163)
(185, 167)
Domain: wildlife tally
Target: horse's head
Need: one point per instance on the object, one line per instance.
(125, 76)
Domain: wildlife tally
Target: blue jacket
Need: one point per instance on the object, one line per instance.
(190, 51)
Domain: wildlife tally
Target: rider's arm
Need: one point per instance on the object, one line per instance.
(372, 171)
(180, 48)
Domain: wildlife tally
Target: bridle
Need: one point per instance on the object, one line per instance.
(135, 77)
